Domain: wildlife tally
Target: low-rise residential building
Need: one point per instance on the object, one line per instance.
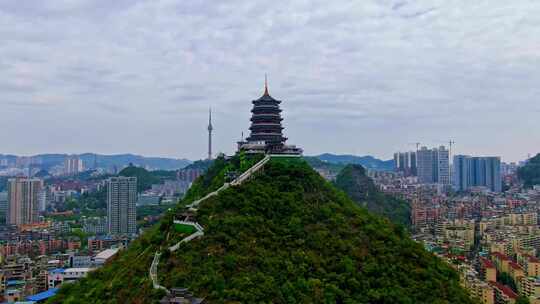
(530, 264)
(501, 261)
(104, 256)
(100, 243)
(529, 286)
(503, 293)
(58, 276)
(478, 288)
(481, 290)
(515, 271)
(525, 218)
(487, 272)
(459, 233)
(80, 261)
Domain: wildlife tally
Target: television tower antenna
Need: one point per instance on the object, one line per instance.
(210, 129)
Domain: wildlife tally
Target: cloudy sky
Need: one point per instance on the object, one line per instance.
(362, 77)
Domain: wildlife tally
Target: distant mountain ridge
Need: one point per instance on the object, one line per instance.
(367, 161)
(47, 161)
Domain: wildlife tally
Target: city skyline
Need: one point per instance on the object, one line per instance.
(82, 75)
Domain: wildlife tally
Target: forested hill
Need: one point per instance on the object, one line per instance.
(367, 161)
(286, 236)
(361, 189)
(530, 173)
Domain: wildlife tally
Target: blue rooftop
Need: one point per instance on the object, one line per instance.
(58, 270)
(43, 295)
(14, 282)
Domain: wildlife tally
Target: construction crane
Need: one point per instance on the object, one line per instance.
(450, 143)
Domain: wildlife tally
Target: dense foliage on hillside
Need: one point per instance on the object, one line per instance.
(361, 189)
(316, 163)
(367, 161)
(146, 178)
(530, 173)
(286, 236)
(202, 164)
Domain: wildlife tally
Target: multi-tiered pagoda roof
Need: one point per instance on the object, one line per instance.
(266, 129)
(266, 121)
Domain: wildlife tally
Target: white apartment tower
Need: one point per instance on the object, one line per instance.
(73, 165)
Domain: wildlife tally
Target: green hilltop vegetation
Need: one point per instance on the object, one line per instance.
(146, 178)
(361, 189)
(286, 236)
(317, 163)
(202, 164)
(530, 173)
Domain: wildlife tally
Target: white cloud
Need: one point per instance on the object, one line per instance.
(374, 74)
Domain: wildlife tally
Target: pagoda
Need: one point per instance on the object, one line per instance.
(266, 130)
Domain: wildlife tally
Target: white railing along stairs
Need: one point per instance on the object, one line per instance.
(199, 229)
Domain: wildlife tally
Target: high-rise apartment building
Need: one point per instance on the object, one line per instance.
(405, 162)
(461, 172)
(42, 199)
(3, 206)
(424, 162)
(23, 200)
(73, 165)
(433, 165)
(121, 205)
(443, 165)
(477, 172)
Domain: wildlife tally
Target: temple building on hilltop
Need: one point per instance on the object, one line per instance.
(266, 130)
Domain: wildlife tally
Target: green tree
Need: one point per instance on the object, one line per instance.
(144, 178)
(506, 279)
(530, 173)
(361, 189)
(522, 300)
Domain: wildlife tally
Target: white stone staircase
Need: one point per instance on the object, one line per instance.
(199, 229)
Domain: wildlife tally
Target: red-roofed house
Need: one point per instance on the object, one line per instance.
(501, 261)
(488, 272)
(503, 293)
(515, 271)
(531, 265)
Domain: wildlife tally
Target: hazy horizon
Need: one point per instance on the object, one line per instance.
(362, 78)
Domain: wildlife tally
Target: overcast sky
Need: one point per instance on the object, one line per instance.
(362, 77)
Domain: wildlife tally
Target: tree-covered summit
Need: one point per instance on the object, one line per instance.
(286, 236)
(530, 173)
(361, 189)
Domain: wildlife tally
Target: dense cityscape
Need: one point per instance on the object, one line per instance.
(60, 224)
(192, 152)
(62, 221)
(475, 214)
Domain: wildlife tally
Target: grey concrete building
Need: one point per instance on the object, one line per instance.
(23, 200)
(433, 165)
(121, 205)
